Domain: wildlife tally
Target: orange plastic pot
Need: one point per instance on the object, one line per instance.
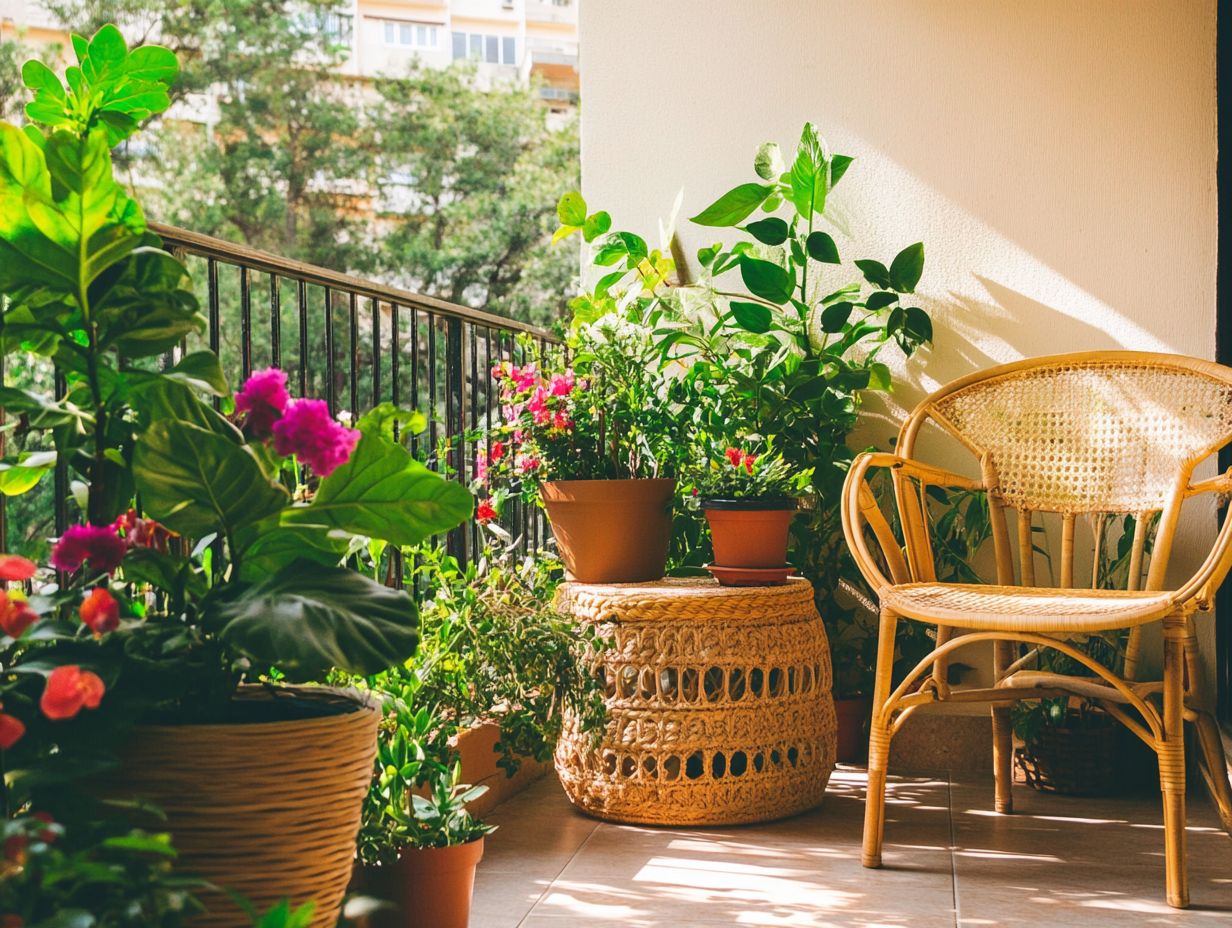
(611, 531)
(749, 532)
(429, 887)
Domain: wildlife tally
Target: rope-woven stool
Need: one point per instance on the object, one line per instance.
(718, 699)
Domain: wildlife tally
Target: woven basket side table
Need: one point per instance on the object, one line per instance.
(719, 704)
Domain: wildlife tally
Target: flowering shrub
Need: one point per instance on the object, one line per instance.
(207, 550)
(609, 414)
(739, 474)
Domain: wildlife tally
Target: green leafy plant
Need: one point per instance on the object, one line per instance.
(90, 876)
(283, 915)
(490, 650)
(441, 819)
(787, 354)
(212, 529)
(734, 473)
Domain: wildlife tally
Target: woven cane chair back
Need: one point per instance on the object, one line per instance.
(1099, 432)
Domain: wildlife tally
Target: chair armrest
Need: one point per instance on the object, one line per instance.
(1205, 582)
(860, 508)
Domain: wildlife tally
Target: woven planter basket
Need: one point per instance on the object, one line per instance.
(1078, 761)
(268, 810)
(719, 705)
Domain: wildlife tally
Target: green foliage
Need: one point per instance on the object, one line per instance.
(283, 915)
(490, 650)
(736, 473)
(93, 876)
(784, 359)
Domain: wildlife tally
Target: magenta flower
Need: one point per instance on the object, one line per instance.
(264, 398)
(562, 384)
(309, 432)
(525, 464)
(561, 421)
(97, 545)
(524, 377)
(481, 465)
(538, 407)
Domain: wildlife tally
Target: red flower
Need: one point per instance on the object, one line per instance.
(140, 532)
(15, 567)
(734, 456)
(498, 450)
(100, 612)
(69, 688)
(99, 545)
(748, 462)
(11, 921)
(484, 512)
(15, 614)
(11, 730)
(264, 398)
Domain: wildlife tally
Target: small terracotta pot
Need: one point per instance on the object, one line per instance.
(749, 532)
(853, 714)
(430, 887)
(611, 531)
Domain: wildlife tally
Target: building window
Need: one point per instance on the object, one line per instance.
(411, 35)
(493, 49)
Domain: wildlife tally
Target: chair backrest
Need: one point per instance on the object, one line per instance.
(1084, 434)
(1109, 431)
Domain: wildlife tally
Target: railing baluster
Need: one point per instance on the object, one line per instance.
(395, 350)
(415, 371)
(301, 296)
(245, 324)
(331, 374)
(354, 354)
(376, 352)
(275, 321)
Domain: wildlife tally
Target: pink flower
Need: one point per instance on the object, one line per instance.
(307, 431)
(562, 384)
(69, 689)
(143, 533)
(16, 567)
(538, 407)
(264, 398)
(525, 464)
(524, 377)
(99, 545)
(498, 371)
(485, 512)
(481, 465)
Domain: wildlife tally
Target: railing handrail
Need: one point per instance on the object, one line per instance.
(207, 246)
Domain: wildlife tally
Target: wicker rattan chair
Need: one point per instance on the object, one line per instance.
(1074, 435)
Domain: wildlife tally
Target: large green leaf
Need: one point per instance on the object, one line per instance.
(821, 247)
(753, 317)
(734, 206)
(906, 268)
(384, 493)
(145, 306)
(198, 481)
(307, 619)
(268, 547)
(766, 279)
(769, 231)
(810, 173)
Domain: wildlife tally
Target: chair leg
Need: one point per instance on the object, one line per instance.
(879, 743)
(1003, 738)
(1171, 751)
(1215, 766)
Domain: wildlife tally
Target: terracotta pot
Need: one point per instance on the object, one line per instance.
(749, 532)
(611, 531)
(853, 714)
(430, 887)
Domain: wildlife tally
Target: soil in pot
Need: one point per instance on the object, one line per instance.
(429, 887)
(611, 531)
(749, 533)
(853, 714)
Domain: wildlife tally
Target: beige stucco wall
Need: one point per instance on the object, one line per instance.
(1056, 157)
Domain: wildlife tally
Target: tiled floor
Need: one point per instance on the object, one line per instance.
(949, 861)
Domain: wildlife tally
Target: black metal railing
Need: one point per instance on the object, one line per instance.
(354, 343)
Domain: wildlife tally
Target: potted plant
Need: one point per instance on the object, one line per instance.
(154, 664)
(421, 850)
(749, 500)
(596, 441)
